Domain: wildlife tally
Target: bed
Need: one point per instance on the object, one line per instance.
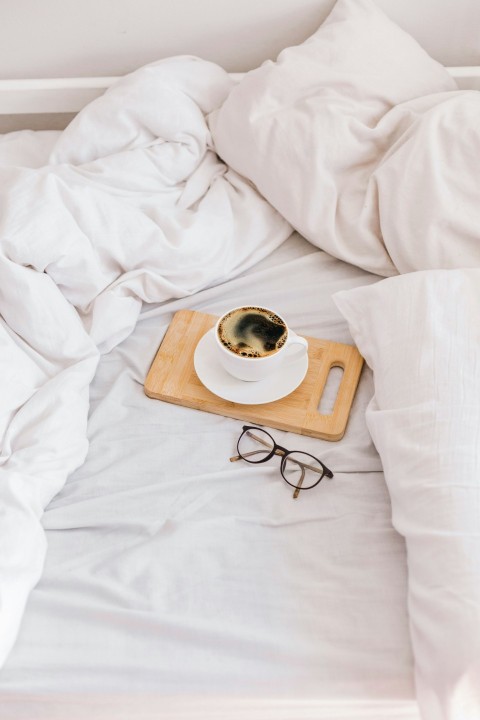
(142, 573)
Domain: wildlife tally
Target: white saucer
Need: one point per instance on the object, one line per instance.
(218, 381)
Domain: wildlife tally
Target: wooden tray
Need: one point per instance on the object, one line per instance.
(172, 378)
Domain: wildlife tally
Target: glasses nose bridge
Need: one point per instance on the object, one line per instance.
(282, 449)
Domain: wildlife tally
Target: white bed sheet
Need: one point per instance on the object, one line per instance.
(172, 573)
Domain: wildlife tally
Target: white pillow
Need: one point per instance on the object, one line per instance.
(307, 129)
(420, 334)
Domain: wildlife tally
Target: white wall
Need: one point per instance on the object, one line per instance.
(61, 38)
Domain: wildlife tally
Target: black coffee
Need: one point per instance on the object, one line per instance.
(252, 332)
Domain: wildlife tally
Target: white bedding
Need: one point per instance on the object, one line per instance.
(173, 578)
(170, 572)
(373, 155)
(420, 334)
(141, 209)
(363, 142)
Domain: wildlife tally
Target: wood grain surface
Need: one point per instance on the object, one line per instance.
(172, 378)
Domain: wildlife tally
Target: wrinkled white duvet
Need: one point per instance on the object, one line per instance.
(133, 205)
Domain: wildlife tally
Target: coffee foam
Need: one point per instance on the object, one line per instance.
(252, 332)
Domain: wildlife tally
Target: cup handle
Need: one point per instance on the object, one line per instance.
(300, 349)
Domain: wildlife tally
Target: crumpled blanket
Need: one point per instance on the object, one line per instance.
(133, 206)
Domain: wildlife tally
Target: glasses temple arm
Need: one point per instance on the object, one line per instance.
(299, 486)
(253, 452)
(260, 440)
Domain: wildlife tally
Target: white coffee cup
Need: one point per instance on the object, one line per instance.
(258, 368)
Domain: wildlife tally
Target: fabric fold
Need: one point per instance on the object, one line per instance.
(131, 206)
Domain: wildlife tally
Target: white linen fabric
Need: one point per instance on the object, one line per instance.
(372, 155)
(180, 585)
(420, 335)
(363, 143)
(359, 140)
(133, 205)
(27, 148)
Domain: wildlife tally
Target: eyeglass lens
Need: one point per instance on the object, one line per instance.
(255, 445)
(301, 470)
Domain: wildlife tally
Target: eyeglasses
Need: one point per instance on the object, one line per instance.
(299, 469)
